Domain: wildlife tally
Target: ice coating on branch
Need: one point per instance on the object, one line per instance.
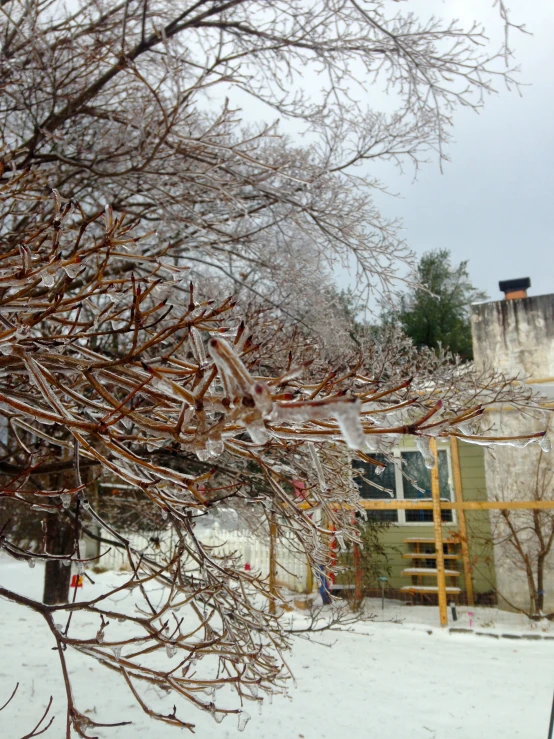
(236, 378)
(348, 419)
(423, 444)
(545, 444)
(346, 411)
(318, 467)
(262, 398)
(197, 346)
(244, 718)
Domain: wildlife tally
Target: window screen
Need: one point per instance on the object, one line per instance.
(416, 475)
(373, 486)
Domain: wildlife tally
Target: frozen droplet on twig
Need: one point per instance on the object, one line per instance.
(379, 470)
(465, 428)
(215, 447)
(258, 432)
(116, 652)
(80, 568)
(72, 270)
(203, 454)
(100, 636)
(244, 718)
(31, 562)
(260, 706)
(545, 444)
(66, 500)
(423, 444)
(170, 649)
(48, 279)
(350, 424)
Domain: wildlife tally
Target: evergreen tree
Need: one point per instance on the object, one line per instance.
(437, 312)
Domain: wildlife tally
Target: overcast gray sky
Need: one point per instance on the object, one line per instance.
(493, 204)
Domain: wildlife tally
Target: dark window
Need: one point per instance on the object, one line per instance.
(417, 484)
(373, 486)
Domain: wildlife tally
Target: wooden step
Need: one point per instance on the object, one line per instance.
(426, 572)
(422, 540)
(428, 589)
(428, 555)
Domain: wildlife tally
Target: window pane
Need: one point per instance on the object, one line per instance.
(376, 486)
(414, 468)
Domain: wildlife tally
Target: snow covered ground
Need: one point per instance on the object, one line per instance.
(382, 681)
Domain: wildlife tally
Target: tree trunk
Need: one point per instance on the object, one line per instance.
(540, 583)
(59, 540)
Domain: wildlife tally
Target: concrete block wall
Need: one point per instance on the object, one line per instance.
(516, 337)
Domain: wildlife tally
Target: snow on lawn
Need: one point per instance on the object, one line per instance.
(383, 681)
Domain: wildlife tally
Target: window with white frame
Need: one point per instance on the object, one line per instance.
(405, 478)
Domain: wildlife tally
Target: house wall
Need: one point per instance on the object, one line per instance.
(474, 488)
(517, 338)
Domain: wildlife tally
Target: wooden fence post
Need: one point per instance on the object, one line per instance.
(437, 525)
(462, 519)
(272, 562)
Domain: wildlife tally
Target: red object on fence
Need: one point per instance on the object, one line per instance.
(76, 581)
(248, 566)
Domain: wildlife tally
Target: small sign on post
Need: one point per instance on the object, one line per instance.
(76, 581)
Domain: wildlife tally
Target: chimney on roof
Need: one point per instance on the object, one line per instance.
(514, 289)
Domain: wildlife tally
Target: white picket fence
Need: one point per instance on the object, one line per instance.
(251, 549)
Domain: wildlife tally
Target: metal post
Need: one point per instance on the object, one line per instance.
(383, 580)
(437, 525)
(551, 729)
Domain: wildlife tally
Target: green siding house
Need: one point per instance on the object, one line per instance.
(405, 533)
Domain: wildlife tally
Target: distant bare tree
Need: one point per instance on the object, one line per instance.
(522, 541)
(139, 104)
